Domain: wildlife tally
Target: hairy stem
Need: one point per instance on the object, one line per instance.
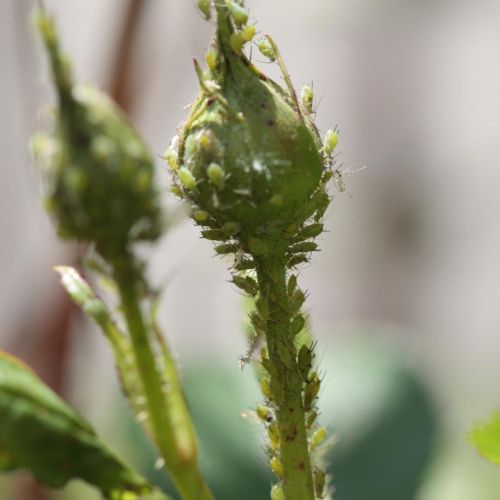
(286, 382)
(181, 465)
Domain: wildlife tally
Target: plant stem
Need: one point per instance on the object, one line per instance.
(182, 466)
(285, 381)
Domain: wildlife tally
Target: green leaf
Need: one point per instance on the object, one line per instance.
(486, 438)
(40, 432)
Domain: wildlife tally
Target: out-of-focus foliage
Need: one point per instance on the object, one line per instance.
(39, 432)
(486, 438)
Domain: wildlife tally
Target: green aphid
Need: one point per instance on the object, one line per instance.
(264, 413)
(310, 231)
(200, 216)
(216, 175)
(214, 235)
(318, 437)
(277, 466)
(296, 260)
(237, 42)
(245, 265)
(230, 228)
(274, 436)
(304, 247)
(187, 179)
(205, 8)
(247, 284)
(311, 390)
(319, 482)
(277, 492)
(258, 322)
(248, 32)
(330, 142)
(226, 248)
(292, 285)
(211, 60)
(311, 419)
(307, 98)
(297, 325)
(238, 13)
(171, 159)
(266, 49)
(305, 359)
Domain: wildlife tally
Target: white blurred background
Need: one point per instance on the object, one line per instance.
(414, 86)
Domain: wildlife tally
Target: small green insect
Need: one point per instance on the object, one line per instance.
(318, 437)
(205, 9)
(211, 60)
(264, 413)
(305, 359)
(330, 142)
(247, 284)
(319, 482)
(307, 98)
(297, 325)
(200, 216)
(237, 42)
(216, 175)
(238, 13)
(277, 492)
(266, 49)
(304, 247)
(248, 32)
(276, 466)
(187, 179)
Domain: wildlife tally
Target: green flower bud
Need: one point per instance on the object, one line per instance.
(253, 157)
(99, 175)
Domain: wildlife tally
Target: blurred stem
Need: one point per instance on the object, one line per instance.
(180, 463)
(285, 382)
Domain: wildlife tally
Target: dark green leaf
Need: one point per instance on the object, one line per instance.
(40, 432)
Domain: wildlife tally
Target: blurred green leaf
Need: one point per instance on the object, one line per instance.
(40, 432)
(486, 438)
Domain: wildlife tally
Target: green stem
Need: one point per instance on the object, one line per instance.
(182, 466)
(285, 382)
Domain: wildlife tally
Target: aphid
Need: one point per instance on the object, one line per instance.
(246, 284)
(310, 231)
(274, 436)
(248, 32)
(176, 191)
(265, 388)
(319, 482)
(238, 13)
(292, 284)
(318, 437)
(171, 159)
(311, 391)
(330, 142)
(296, 260)
(216, 175)
(264, 413)
(230, 228)
(266, 49)
(277, 492)
(277, 466)
(305, 358)
(226, 248)
(211, 60)
(200, 216)
(214, 235)
(244, 265)
(187, 179)
(307, 98)
(205, 8)
(297, 325)
(237, 42)
(297, 300)
(304, 247)
(311, 418)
